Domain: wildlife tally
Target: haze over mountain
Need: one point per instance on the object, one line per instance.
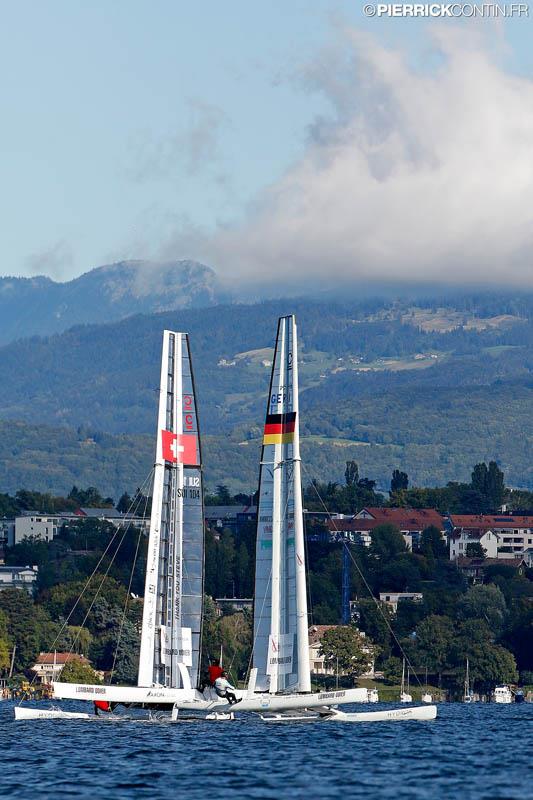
(41, 306)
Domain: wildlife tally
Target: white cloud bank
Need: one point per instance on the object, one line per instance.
(418, 176)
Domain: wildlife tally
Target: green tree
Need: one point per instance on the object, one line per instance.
(125, 653)
(225, 564)
(434, 639)
(124, 503)
(29, 627)
(243, 575)
(375, 620)
(351, 473)
(387, 544)
(344, 648)
(399, 481)
(486, 603)
(432, 542)
(489, 663)
(392, 670)
(77, 671)
(224, 496)
(495, 488)
(475, 550)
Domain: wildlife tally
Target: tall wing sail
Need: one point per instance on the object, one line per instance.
(172, 614)
(281, 651)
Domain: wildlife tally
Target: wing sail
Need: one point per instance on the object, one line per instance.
(281, 652)
(172, 614)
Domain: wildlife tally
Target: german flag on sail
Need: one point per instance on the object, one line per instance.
(279, 428)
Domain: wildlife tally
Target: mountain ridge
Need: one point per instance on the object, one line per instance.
(40, 306)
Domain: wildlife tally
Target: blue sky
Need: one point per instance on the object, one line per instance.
(134, 129)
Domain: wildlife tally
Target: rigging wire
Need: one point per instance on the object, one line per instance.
(134, 502)
(282, 516)
(106, 573)
(128, 593)
(363, 578)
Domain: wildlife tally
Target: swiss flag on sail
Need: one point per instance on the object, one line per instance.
(179, 448)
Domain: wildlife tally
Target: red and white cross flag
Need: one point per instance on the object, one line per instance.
(179, 448)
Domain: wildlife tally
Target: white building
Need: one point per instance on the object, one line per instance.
(462, 537)
(18, 578)
(37, 526)
(393, 598)
(503, 536)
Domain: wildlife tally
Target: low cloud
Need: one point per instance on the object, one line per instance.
(414, 175)
(189, 150)
(53, 261)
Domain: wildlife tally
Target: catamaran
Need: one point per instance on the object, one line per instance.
(169, 663)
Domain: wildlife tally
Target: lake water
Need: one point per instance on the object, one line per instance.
(477, 752)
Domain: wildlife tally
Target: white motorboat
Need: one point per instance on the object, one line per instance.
(502, 694)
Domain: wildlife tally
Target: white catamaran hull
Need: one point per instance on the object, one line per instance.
(47, 713)
(193, 699)
(421, 713)
(136, 695)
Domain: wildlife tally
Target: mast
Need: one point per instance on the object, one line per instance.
(171, 629)
(281, 650)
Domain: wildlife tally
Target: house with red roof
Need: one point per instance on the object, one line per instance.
(504, 536)
(49, 666)
(411, 522)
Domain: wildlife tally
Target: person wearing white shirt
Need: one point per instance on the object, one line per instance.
(224, 689)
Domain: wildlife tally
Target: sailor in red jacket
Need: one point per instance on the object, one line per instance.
(214, 671)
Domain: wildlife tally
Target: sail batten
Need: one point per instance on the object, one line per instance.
(172, 614)
(281, 652)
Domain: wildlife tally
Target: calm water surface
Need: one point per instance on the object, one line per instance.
(477, 752)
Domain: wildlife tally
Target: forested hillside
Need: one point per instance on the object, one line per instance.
(431, 390)
(39, 305)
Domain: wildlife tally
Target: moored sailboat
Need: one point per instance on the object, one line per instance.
(468, 695)
(405, 696)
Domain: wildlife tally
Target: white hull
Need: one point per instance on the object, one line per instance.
(137, 695)
(502, 694)
(421, 713)
(47, 713)
(190, 699)
(405, 698)
(272, 702)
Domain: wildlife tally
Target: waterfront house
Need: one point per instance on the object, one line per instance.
(317, 660)
(49, 666)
